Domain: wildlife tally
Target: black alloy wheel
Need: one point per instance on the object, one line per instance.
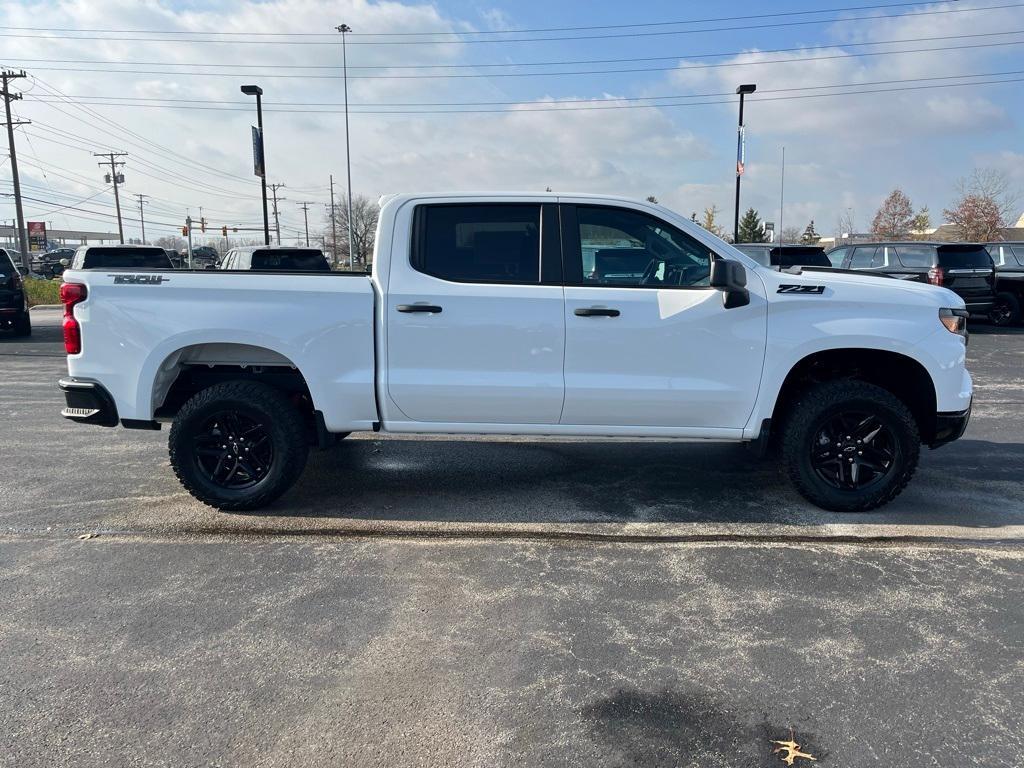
(853, 450)
(233, 450)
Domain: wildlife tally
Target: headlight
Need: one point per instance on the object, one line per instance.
(955, 320)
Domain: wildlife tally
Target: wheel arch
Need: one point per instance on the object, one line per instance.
(900, 374)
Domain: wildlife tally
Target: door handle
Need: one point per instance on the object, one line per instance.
(431, 308)
(596, 312)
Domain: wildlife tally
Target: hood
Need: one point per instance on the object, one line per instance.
(866, 287)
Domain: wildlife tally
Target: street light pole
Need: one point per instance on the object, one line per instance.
(344, 28)
(743, 90)
(255, 90)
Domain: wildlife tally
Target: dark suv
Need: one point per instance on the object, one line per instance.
(1009, 261)
(13, 304)
(120, 257)
(964, 268)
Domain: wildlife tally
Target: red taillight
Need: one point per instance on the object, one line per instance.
(936, 276)
(71, 294)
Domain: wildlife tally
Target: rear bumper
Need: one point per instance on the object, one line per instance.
(950, 426)
(87, 402)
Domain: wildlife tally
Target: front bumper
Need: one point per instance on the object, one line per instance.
(950, 426)
(87, 402)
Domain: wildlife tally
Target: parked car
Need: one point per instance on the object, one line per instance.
(785, 256)
(174, 256)
(120, 257)
(13, 301)
(483, 316)
(1009, 262)
(279, 258)
(964, 268)
(203, 257)
(50, 264)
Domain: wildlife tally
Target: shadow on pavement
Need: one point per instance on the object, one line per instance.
(973, 483)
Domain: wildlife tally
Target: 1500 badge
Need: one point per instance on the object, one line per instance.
(139, 279)
(817, 289)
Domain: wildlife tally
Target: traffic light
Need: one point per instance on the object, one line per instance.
(224, 231)
(184, 231)
(202, 225)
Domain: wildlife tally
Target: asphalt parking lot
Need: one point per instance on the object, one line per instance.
(505, 602)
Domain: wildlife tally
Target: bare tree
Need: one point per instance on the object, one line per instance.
(364, 228)
(986, 204)
(791, 234)
(846, 226)
(710, 223)
(894, 217)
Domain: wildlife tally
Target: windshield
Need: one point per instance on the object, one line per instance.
(6, 267)
(299, 260)
(126, 258)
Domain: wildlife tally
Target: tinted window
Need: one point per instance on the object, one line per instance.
(1018, 253)
(6, 267)
(620, 247)
(836, 257)
(1001, 254)
(794, 256)
(126, 258)
(478, 243)
(862, 258)
(298, 260)
(963, 256)
(916, 255)
(760, 255)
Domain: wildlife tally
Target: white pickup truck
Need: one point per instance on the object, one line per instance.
(524, 314)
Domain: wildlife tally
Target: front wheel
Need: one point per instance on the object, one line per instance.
(1006, 310)
(23, 325)
(850, 446)
(238, 445)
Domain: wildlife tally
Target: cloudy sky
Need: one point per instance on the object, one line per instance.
(631, 98)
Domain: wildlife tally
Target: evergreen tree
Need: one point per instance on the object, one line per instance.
(752, 228)
(810, 237)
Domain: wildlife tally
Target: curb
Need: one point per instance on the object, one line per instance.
(45, 306)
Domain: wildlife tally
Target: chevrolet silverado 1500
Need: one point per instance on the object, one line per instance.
(526, 314)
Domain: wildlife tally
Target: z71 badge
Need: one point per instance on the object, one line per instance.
(818, 289)
(139, 279)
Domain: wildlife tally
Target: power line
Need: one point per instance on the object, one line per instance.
(490, 75)
(633, 34)
(487, 65)
(473, 32)
(240, 106)
(601, 106)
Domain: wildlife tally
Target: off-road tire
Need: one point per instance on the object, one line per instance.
(816, 404)
(1006, 312)
(22, 325)
(286, 428)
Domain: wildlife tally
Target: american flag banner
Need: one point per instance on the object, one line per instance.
(741, 150)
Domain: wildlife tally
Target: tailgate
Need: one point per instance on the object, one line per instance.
(968, 268)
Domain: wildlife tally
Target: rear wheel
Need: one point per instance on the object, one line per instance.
(22, 325)
(1006, 310)
(850, 446)
(238, 445)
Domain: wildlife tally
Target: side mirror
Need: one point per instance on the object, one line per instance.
(730, 277)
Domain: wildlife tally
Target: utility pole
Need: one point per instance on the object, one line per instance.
(334, 228)
(345, 28)
(142, 218)
(111, 158)
(8, 75)
(305, 217)
(277, 220)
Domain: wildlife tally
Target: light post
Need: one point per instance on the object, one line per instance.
(345, 28)
(261, 168)
(743, 90)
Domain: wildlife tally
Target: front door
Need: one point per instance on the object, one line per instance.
(648, 342)
(475, 326)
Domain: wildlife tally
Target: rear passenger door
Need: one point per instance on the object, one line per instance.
(474, 315)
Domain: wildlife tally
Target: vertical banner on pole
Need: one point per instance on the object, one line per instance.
(741, 150)
(257, 152)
